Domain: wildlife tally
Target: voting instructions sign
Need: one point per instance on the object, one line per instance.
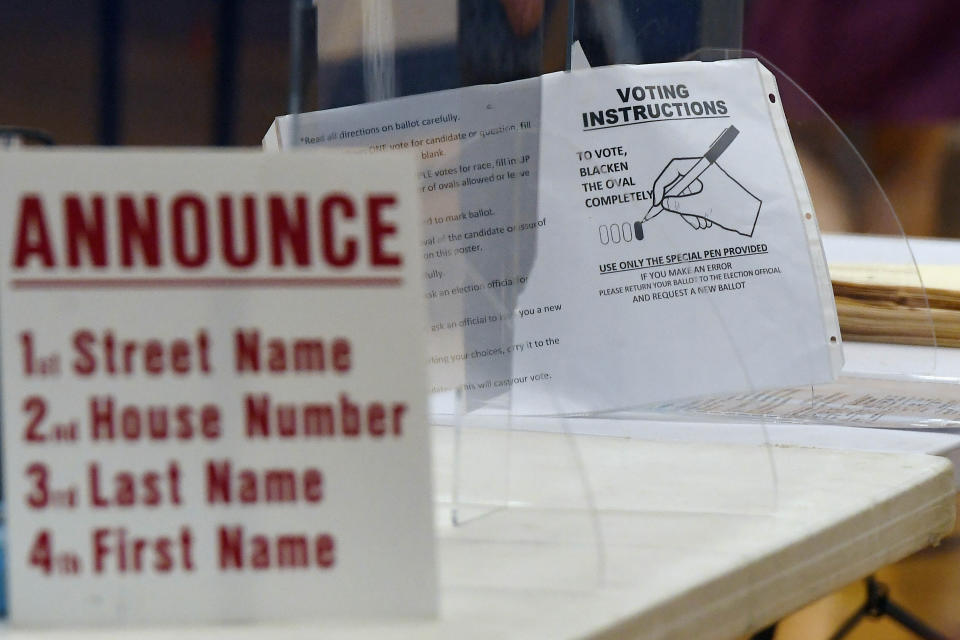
(213, 387)
(603, 239)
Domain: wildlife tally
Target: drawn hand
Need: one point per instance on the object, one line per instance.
(671, 174)
(675, 169)
(714, 198)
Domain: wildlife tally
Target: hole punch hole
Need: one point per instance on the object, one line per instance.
(772, 97)
(808, 215)
(833, 339)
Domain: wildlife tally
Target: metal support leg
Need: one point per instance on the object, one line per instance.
(878, 604)
(765, 634)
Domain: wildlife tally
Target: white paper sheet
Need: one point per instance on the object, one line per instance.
(545, 298)
(851, 401)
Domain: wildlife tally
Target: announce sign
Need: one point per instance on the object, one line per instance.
(213, 387)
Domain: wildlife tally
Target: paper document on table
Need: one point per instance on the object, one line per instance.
(602, 239)
(851, 401)
(886, 303)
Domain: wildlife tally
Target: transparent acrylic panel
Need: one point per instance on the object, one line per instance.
(583, 490)
(881, 297)
(863, 237)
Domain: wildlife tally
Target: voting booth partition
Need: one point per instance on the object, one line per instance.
(389, 53)
(558, 292)
(537, 330)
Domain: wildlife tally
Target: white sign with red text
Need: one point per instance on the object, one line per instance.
(213, 387)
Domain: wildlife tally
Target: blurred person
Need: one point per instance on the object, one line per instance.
(507, 40)
(889, 72)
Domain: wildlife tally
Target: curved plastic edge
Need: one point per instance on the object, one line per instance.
(818, 258)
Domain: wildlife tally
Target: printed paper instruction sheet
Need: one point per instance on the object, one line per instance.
(602, 239)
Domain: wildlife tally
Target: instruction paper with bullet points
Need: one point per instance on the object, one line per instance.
(607, 238)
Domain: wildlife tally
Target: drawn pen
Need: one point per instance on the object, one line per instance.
(710, 157)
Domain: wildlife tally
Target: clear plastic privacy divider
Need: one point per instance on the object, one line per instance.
(892, 376)
(526, 378)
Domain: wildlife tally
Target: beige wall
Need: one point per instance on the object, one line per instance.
(415, 23)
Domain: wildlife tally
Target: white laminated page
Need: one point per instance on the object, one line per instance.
(609, 238)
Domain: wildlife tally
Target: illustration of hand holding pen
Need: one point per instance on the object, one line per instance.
(703, 194)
